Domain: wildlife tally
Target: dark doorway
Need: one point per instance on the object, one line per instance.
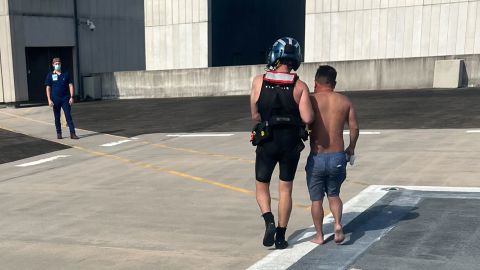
(39, 63)
(243, 31)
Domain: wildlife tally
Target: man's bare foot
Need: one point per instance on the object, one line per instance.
(318, 240)
(339, 236)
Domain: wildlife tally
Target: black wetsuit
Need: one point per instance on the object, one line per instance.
(285, 145)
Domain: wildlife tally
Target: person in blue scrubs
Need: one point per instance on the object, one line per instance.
(60, 92)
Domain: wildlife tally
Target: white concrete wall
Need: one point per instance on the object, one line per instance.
(338, 30)
(213, 81)
(2, 99)
(3, 13)
(381, 74)
(176, 34)
(6, 74)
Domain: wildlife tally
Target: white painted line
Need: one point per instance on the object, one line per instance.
(199, 135)
(134, 138)
(473, 131)
(283, 259)
(436, 188)
(115, 143)
(33, 163)
(364, 132)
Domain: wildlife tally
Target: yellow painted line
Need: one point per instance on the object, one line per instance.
(358, 182)
(165, 170)
(52, 124)
(63, 121)
(228, 157)
(11, 130)
(306, 207)
(151, 167)
(27, 111)
(179, 174)
(187, 150)
(208, 181)
(26, 118)
(161, 169)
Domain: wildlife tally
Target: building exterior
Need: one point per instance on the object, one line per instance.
(183, 34)
(32, 32)
(346, 30)
(395, 43)
(203, 33)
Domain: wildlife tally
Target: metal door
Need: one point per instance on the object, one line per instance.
(39, 63)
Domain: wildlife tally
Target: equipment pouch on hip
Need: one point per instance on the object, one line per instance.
(261, 132)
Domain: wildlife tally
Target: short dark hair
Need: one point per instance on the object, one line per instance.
(288, 62)
(56, 59)
(326, 75)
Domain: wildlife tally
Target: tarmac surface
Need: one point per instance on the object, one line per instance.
(16, 146)
(400, 109)
(169, 184)
(429, 238)
(407, 229)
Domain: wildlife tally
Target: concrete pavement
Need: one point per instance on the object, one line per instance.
(161, 202)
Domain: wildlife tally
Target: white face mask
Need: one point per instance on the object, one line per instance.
(57, 67)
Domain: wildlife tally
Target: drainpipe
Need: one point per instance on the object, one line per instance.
(77, 55)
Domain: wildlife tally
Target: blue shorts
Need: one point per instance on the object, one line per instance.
(325, 174)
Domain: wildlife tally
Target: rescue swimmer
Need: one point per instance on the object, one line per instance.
(281, 106)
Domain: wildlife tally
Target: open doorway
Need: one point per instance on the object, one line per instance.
(39, 63)
(243, 31)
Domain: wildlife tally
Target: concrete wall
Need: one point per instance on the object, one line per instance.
(386, 74)
(6, 75)
(2, 99)
(380, 29)
(215, 81)
(117, 43)
(176, 34)
(405, 73)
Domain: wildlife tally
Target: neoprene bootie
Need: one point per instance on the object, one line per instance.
(269, 237)
(280, 242)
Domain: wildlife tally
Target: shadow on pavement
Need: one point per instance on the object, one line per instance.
(390, 109)
(378, 217)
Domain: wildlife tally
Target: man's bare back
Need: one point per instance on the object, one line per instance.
(332, 111)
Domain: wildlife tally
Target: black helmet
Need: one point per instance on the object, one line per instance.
(285, 48)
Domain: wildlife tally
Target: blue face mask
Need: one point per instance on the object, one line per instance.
(57, 67)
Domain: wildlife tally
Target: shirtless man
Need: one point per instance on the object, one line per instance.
(326, 164)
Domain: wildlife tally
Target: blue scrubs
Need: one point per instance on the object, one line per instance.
(60, 95)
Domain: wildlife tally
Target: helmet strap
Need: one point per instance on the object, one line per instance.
(277, 64)
(274, 66)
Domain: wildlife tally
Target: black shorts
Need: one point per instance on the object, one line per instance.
(287, 154)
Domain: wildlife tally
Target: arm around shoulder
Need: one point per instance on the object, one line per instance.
(305, 105)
